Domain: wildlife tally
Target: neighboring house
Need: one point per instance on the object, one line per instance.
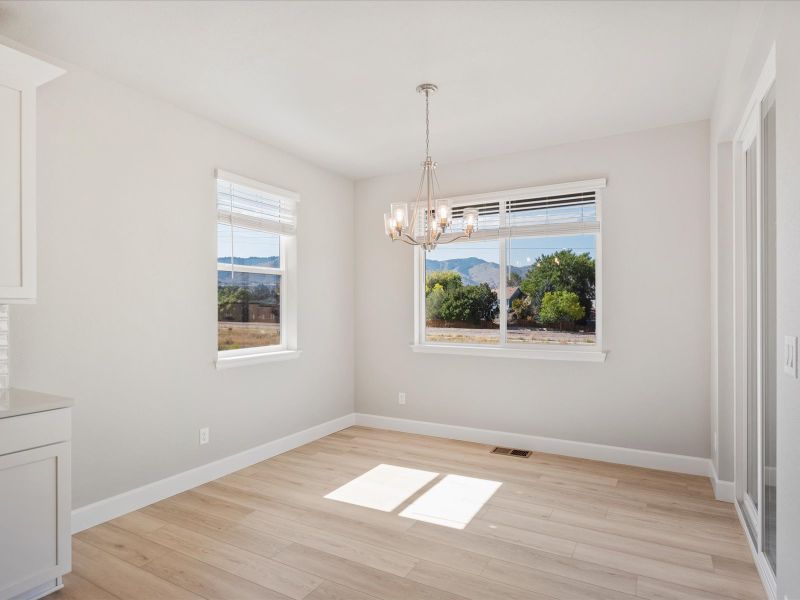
(512, 293)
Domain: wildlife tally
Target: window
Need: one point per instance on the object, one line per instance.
(256, 225)
(527, 280)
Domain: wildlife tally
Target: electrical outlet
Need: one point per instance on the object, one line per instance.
(204, 435)
(790, 355)
(401, 399)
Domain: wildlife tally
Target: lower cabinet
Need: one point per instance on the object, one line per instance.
(35, 546)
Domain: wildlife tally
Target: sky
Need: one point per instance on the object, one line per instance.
(523, 251)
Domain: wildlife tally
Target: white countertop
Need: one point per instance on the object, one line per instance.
(15, 402)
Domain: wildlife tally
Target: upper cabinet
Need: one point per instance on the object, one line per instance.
(20, 75)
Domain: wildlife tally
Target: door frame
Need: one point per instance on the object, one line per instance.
(749, 129)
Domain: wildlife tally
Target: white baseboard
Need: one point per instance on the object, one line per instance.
(111, 508)
(691, 465)
(723, 490)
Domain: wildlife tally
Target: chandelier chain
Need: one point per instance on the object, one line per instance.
(427, 124)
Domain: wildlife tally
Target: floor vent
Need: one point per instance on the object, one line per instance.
(512, 452)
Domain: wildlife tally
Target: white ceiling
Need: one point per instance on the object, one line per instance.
(333, 82)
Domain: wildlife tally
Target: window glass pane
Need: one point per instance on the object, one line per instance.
(249, 247)
(248, 310)
(550, 291)
(461, 282)
(770, 346)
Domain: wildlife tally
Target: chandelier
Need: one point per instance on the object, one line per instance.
(430, 217)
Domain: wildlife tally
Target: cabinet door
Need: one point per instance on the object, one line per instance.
(34, 518)
(17, 192)
(10, 188)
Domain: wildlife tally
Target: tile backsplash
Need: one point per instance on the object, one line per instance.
(4, 375)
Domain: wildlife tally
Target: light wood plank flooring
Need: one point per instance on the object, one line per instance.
(558, 528)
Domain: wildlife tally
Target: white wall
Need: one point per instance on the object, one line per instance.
(652, 391)
(126, 317)
(760, 26)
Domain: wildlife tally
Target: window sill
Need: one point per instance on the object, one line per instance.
(536, 354)
(228, 362)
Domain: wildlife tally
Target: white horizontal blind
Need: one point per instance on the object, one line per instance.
(255, 208)
(554, 214)
(529, 215)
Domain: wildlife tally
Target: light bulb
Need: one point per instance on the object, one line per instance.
(399, 212)
(470, 220)
(390, 225)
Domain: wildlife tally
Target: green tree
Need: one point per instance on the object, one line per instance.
(231, 297)
(433, 302)
(561, 308)
(483, 302)
(449, 280)
(473, 304)
(521, 307)
(562, 271)
(514, 279)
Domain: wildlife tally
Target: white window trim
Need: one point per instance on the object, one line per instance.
(584, 353)
(256, 185)
(227, 362)
(288, 348)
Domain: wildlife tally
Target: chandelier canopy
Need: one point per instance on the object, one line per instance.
(432, 217)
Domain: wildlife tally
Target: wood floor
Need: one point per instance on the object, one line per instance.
(558, 528)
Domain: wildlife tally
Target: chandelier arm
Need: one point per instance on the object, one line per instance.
(406, 239)
(416, 205)
(436, 182)
(462, 236)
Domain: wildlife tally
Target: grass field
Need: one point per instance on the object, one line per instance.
(232, 335)
(456, 335)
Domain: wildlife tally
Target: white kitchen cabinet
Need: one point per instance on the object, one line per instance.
(35, 549)
(20, 75)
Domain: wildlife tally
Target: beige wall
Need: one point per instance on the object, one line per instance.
(652, 391)
(126, 317)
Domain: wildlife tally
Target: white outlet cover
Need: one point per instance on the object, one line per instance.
(204, 435)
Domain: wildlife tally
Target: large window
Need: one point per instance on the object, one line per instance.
(255, 233)
(528, 279)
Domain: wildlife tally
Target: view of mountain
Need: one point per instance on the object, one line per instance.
(473, 270)
(226, 278)
(253, 261)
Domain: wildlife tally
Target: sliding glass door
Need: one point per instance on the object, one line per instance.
(769, 331)
(756, 475)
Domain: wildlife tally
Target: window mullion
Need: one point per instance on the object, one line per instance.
(501, 287)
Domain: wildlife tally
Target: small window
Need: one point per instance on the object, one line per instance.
(256, 225)
(528, 278)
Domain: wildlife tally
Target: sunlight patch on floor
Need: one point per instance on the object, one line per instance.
(452, 502)
(383, 488)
